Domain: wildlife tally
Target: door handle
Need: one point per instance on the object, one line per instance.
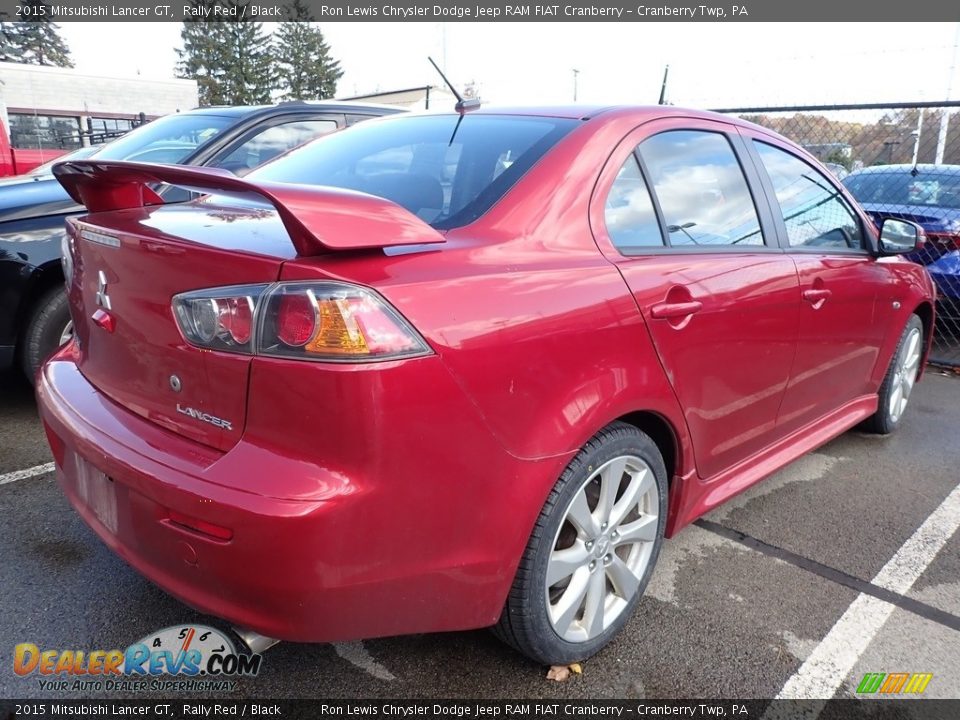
(676, 309)
(816, 295)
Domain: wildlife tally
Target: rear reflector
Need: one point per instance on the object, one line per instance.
(322, 321)
(203, 527)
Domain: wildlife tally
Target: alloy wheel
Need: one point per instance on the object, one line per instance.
(602, 549)
(905, 374)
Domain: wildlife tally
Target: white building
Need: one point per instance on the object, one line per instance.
(58, 108)
(426, 97)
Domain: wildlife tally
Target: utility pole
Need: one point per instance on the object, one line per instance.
(947, 113)
(575, 74)
(916, 137)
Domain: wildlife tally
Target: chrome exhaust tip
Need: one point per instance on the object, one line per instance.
(255, 642)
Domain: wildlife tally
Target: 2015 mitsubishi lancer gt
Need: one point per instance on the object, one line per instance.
(450, 371)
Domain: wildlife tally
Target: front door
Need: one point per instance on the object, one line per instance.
(839, 336)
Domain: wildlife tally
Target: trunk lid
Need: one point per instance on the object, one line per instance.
(131, 264)
(132, 255)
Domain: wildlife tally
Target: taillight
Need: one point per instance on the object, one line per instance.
(66, 257)
(332, 321)
(949, 241)
(324, 321)
(220, 318)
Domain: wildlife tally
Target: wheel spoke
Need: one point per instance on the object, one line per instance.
(638, 486)
(579, 514)
(610, 480)
(913, 350)
(895, 398)
(622, 578)
(564, 563)
(563, 612)
(908, 383)
(643, 529)
(595, 603)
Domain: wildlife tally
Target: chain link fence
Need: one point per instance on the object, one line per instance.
(899, 160)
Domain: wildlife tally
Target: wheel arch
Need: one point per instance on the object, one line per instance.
(659, 429)
(926, 314)
(43, 279)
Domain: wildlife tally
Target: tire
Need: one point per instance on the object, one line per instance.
(49, 321)
(899, 381)
(533, 619)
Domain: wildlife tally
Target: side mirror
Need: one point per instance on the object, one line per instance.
(900, 236)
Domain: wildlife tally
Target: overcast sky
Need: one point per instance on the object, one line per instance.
(711, 64)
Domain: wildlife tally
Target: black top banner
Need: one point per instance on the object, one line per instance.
(487, 11)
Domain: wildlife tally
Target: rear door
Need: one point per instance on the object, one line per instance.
(840, 331)
(675, 211)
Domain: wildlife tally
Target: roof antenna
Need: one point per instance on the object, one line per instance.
(663, 88)
(462, 105)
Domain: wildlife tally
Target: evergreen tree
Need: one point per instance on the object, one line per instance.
(202, 56)
(35, 41)
(9, 41)
(249, 79)
(230, 60)
(305, 70)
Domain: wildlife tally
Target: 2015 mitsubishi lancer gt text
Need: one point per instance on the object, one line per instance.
(450, 371)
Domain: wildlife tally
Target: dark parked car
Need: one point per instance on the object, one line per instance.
(926, 194)
(34, 319)
(440, 372)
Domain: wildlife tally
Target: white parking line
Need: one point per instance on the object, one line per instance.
(28, 473)
(825, 670)
(356, 654)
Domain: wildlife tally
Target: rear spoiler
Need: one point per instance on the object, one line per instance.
(318, 219)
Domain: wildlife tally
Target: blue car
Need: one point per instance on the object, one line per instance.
(926, 194)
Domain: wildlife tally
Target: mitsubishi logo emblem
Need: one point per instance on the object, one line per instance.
(103, 300)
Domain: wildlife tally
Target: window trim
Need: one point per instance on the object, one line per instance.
(631, 143)
(749, 141)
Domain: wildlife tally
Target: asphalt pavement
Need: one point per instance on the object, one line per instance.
(844, 563)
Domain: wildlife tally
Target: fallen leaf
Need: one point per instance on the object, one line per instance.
(575, 667)
(558, 673)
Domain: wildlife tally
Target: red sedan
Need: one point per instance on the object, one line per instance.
(441, 372)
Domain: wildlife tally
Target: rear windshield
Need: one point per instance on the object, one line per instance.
(940, 190)
(445, 169)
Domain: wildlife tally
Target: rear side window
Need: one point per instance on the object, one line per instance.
(446, 169)
(628, 213)
(703, 194)
(814, 211)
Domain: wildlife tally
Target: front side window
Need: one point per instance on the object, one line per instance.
(814, 211)
(271, 142)
(702, 191)
(628, 212)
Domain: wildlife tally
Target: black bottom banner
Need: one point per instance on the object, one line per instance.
(519, 709)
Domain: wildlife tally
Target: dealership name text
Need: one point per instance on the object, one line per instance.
(544, 11)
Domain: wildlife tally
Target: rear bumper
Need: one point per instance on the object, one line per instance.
(308, 569)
